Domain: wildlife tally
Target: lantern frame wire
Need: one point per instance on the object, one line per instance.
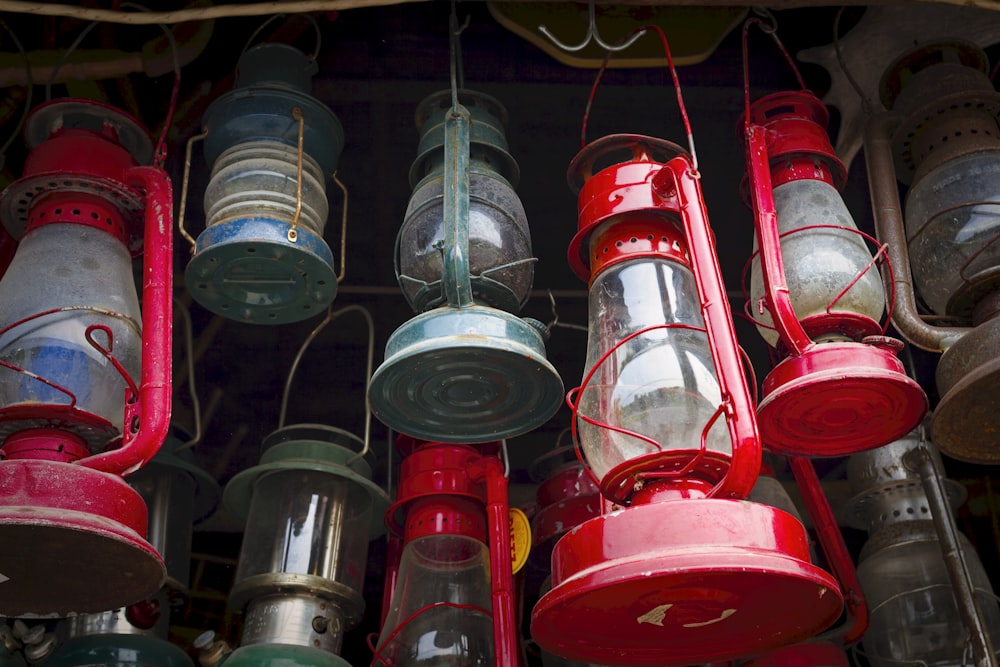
(882, 253)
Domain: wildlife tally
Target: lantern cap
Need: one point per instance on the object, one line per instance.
(796, 123)
(627, 592)
(274, 79)
(487, 132)
(465, 375)
(64, 114)
(626, 187)
(313, 447)
(947, 105)
(838, 398)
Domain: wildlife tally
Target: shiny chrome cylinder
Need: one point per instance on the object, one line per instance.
(297, 620)
(260, 178)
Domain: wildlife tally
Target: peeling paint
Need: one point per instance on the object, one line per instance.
(723, 616)
(655, 615)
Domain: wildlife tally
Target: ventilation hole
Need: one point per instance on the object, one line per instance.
(618, 244)
(649, 238)
(974, 131)
(94, 216)
(909, 510)
(895, 512)
(954, 106)
(58, 211)
(321, 282)
(68, 184)
(108, 221)
(202, 286)
(633, 240)
(272, 316)
(76, 211)
(663, 239)
(225, 306)
(958, 133)
(944, 140)
(251, 250)
(923, 510)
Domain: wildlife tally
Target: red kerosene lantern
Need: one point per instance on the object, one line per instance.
(668, 427)
(73, 418)
(839, 386)
(452, 588)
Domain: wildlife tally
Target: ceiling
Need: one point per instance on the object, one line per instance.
(375, 65)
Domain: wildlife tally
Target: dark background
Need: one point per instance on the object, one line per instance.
(375, 65)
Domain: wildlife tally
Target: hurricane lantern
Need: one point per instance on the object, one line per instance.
(310, 508)
(817, 297)
(941, 137)
(452, 600)
(178, 494)
(566, 497)
(73, 418)
(668, 429)
(271, 147)
(466, 369)
(918, 614)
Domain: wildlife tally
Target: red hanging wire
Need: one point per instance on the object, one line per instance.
(772, 30)
(677, 88)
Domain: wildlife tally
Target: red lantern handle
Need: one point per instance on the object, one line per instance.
(505, 632)
(832, 542)
(765, 220)
(679, 179)
(147, 416)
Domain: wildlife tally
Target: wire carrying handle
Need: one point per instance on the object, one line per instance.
(677, 88)
(332, 315)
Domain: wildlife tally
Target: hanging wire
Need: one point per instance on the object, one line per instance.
(66, 54)
(276, 17)
(185, 315)
(455, 56)
(455, 44)
(866, 104)
(29, 77)
(160, 152)
(555, 318)
(771, 29)
(677, 88)
(332, 315)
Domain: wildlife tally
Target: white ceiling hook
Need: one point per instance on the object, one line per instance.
(592, 34)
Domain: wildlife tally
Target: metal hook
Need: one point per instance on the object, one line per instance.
(592, 34)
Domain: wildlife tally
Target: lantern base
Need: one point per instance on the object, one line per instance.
(283, 655)
(465, 375)
(967, 418)
(628, 592)
(71, 541)
(837, 399)
(120, 650)
(248, 270)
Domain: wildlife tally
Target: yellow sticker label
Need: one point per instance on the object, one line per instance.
(520, 539)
